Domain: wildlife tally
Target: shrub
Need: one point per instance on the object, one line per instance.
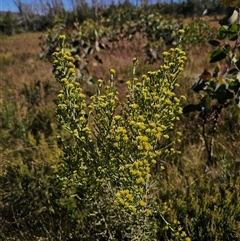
(112, 156)
(205, 203)
(29, 156)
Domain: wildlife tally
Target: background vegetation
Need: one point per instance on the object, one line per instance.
(196, 200)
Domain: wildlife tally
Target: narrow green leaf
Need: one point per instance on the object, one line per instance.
(217, 55)
(227, 49)
(191, 108)
(223, 33)
(237, 64)
(98, 59)
(198, 85)
(214, 42)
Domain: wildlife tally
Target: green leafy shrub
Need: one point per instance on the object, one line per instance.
(198, 32)
(219, 89)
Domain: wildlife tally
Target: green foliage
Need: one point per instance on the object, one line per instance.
(87, 39)
(29, 156)
(9, 24)
(219, 89)
(107, 171)
(198, 32)
(27, 187)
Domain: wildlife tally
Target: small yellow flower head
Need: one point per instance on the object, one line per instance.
(117, 117)
(142, 203)
(112, 71)
(154, 161)
(166, 67)
(135, 61)
(166, 136)
(148, 176)
(70, 65)
(181, 31)
(60, 96)
(82, 96)
(133, 208)
(62, 37)
(148, 211)
(134, 106)
(121, 201)
(72, 71)
(140, 180)
(126, 204)
(70, 86)
(183, 97)
(128, 83)
(165, 53)
(183, 234)
(129, 197)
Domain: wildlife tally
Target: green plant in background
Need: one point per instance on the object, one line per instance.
(9, 23)
(87, 39)
(29, 156)
(218, 89)
(109, 158)
(154, 32)
(84, 40)
(49, 42)
(198, 32)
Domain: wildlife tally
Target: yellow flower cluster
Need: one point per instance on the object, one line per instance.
(152, 109)
(126, 145)
(103, 107)
(71, 111)
(124, 198)
(127, 198)
(181, 31)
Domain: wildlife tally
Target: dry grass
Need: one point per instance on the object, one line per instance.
(212, 20)
(20, 62)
